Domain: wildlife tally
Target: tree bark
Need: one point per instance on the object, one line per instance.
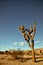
(33, 54)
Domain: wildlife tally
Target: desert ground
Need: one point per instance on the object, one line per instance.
(21, 57)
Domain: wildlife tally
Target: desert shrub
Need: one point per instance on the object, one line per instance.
(1, 52)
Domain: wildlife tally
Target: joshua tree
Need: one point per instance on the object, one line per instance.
(29, 36)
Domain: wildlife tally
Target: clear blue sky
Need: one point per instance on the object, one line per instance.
(17, 12)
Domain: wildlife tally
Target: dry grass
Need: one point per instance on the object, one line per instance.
(21, 58)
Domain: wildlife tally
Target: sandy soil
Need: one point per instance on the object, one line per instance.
(8, 60)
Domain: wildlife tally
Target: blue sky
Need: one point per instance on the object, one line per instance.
(20, 12)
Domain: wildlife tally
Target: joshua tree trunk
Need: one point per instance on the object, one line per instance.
(32, 47)
(33, 54)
